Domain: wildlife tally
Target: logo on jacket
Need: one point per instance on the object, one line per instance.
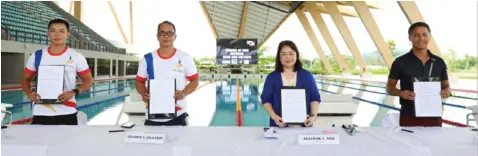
(69, 61)
(178, 67)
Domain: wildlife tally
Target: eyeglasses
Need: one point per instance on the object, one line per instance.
(169, 33)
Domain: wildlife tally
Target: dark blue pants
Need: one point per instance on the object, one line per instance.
(178, 121)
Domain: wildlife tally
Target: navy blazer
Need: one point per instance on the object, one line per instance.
(273, 84)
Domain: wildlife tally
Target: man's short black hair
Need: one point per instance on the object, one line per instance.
(166, 22)
(297, 65)
(59, 21)
(418, 24)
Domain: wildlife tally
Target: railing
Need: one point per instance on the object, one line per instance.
(453, 123)
(444, 103)
(380, 82)
(15, 105)
(27, 120)
(22, 94)
(37, 39)
(78, 81)
(382, 87)
(95, 85)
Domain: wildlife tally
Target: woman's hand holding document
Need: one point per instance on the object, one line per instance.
(310, 120)
(279, 122)
(428, 101)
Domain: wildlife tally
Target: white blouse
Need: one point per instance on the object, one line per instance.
(289, 82)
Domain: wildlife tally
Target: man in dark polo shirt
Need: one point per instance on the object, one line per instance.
(416, 64)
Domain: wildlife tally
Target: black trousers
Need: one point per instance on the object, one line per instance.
(69, 119)
(178, 121)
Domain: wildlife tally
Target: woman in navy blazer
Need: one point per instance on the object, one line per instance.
(289, 72)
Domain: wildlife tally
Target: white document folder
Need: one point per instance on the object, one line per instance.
(161, 91)
(50, 82)
(293, 105)
(428, 101)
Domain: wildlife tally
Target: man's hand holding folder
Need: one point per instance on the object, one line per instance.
(179, 95)
(445, 93)
(66, 96)
(406, 94)
(33, 96)
(145, 97)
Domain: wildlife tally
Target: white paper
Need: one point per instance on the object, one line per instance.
(162, 96)
(29, 150)
(427, 99)
(50, 81)
(293, 105)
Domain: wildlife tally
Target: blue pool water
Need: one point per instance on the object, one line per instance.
(226, 100)
(215, 104)
(100, 97)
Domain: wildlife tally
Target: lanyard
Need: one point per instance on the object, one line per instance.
(430, 72)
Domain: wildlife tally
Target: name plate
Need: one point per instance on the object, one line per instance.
(148, 138)
(317, 139)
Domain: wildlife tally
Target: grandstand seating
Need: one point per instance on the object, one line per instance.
(27, 21)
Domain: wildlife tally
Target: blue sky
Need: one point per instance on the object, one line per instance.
(453, 25)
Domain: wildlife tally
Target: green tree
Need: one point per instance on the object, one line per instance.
(471, 62)
(369, 59)
(450, 58)
(466, 64)
(317, 67)
(208, 59)
(335, 66)
(392, 46)
(261, 52)
(350, 61)
(306, 63)
(264, 60)
(196, 62)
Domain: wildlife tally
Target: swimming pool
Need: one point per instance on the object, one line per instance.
(233, 102)
(232, 92)
(101, 96)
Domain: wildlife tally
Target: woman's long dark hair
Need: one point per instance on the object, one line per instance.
(297, 65)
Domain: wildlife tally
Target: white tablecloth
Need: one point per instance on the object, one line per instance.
(244, 141)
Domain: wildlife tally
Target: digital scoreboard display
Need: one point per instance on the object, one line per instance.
(236, 51)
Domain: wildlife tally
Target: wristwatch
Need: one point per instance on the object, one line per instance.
(76, 91)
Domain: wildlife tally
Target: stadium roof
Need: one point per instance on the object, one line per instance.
(258, 19)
